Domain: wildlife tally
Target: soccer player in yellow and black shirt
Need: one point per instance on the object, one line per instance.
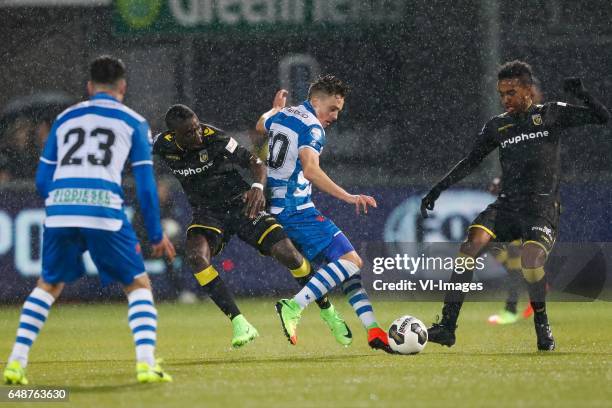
(528, 138)
(206, 162)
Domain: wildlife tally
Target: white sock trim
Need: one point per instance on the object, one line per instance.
(349, 266)
(43, 295)
(140, 294)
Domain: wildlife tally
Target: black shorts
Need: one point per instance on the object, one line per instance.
(219, 225)
(506, 222)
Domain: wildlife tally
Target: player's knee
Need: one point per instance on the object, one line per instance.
(285, 248)
(470, 249)
(55, 289)
(499, 253)
(354, 258)
(140, 282)
(477, 240)
(287, 254)
(359, 262)
(533, 256)
(198, 260)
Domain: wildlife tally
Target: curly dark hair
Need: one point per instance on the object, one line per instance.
(516, 69)
(329, 85)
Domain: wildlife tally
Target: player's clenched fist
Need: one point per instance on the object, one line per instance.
(280, 99)
(428, 202)
(574, 86)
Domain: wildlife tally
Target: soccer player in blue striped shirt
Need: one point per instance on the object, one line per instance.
(79, 175)
(296, 137)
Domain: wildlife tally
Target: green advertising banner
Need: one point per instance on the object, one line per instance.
(189, 16)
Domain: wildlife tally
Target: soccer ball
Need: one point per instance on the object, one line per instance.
(407, 335)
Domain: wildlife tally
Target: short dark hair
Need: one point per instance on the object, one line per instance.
(516, 69)
(176, 115)
(328, 84)
(106, 70)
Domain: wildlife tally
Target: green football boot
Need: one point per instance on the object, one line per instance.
(147, 374)
(14, 374)
(244, 332)
(337, 325)
(504, 317)
(290, 313)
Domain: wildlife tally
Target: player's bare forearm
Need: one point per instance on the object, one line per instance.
(258, 139)
(316, 175)
(254, 199)
(324, 183)
(259, 171)
(259, 127)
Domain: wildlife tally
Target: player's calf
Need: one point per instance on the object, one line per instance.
(444, 332)
(536, 284)
(33, 316)
(360, 302)
(198, 248)
(285, 252)
(142, 319)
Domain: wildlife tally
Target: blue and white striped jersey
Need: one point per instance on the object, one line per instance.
(89, 144)
(291, 129)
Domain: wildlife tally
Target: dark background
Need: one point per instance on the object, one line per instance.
(422, 87)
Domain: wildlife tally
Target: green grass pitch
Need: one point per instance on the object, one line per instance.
(88, 348)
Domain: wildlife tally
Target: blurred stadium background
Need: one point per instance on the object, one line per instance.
(423, 79)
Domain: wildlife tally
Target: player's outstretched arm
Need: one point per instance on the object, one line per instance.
(483, 146)
(458, 173)
(279, 102)
(313, 172)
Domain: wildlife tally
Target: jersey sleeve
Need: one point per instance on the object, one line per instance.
(565, 115)
(146, 192)
(140, 154)
(49, 153)
(312, 138)
(485, 143)
(237, 153)
(268, 122)
(146, 189)
(47, 164)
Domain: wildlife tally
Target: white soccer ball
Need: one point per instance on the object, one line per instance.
(407, 335)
